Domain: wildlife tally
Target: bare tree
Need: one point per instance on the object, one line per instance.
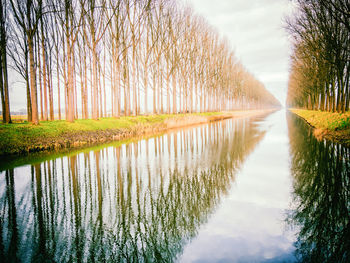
(320, 72)
(4, 87)
(27, 15)
(108, 54)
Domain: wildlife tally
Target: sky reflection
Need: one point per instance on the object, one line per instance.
(249, 225)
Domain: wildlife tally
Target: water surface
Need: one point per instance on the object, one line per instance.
(238, 190)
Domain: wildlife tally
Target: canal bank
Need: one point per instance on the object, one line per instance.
(24, 138)
(332, 126)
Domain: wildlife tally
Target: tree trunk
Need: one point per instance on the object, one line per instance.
(85, 94)
(134, 112)
(168, 93)
(333, 97)
(159, 87)
(70, 86)
(174, 94)
(40, 82)
(154, 94)
(100, 90)
(145, 83)
(161, 92)
(339, 97)
(44, 77)
(58, 87)
(322, 106)
(52, 115)
(95, 84)
(4, 88)
(104, 83)
(29, 101)
(33, 90)
(82, 83)
(347, 88)
(74, 79)
(117, 87)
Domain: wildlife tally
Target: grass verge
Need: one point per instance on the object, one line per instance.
(330, 125)
(23, 137)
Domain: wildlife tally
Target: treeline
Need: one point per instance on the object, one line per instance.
(112, 58)
(320, 64)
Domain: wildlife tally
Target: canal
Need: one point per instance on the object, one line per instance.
(259, 189)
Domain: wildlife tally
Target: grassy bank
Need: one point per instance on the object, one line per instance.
(330, 125)
(21, 138)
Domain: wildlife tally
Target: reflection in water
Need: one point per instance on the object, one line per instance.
(321, 172)
(137, 202)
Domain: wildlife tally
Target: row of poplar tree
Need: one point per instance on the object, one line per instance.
(320, 63)
(120, 57)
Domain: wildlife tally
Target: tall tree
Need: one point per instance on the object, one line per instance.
(4, 86)
(27, 16)
(19, 59)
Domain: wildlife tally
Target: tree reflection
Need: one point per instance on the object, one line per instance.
(321, 184)
(138, 202)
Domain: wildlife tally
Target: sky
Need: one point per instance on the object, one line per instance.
(255, 31)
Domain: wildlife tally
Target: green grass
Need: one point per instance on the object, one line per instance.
(55, 128)
(19, 136)
(331, 121)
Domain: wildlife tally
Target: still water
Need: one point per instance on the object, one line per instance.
(260, 189)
